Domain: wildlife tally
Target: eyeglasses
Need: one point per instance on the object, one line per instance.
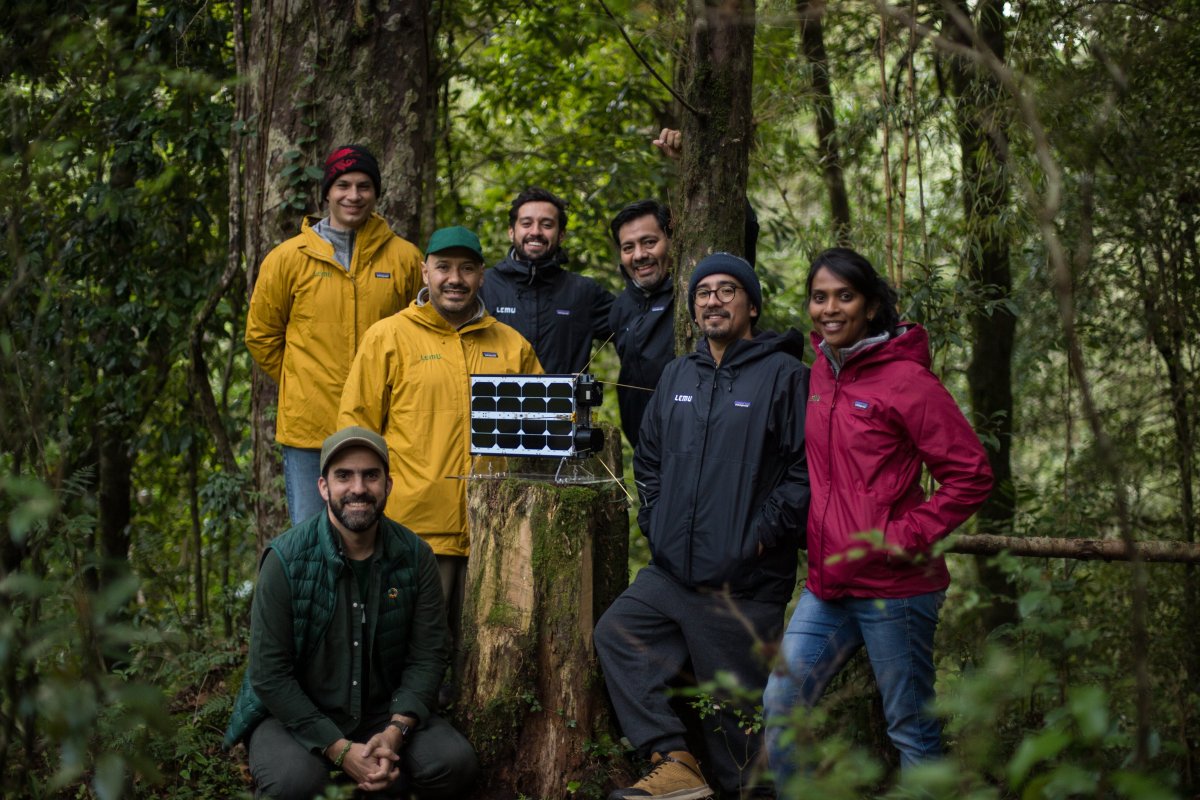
(725, 293)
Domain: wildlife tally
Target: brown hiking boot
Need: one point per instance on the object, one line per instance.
(673, 776)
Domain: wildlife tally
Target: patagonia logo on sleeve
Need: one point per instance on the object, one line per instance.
(506, 310)
(683, 398)
(814, 398)
(383, 274)
(861, 405)
(486, 354)
(741, 403)
(563, 312)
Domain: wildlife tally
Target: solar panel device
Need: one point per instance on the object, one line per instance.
(544, 416)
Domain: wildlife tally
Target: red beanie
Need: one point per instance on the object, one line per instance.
(349, 158)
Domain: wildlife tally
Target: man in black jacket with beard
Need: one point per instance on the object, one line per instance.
(558, 311)
(642, 317)
(723, 480)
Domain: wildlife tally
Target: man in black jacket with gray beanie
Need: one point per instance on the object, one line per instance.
(723, 480)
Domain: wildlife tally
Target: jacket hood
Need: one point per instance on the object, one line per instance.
(369, 237)
(529, 271)
(911, 343)
(743, 351)
(424, 313)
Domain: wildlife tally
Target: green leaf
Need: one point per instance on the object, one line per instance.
(109, 780)
(1033, 750)
(1140, 786)
(1089, 707)
(1030, 602)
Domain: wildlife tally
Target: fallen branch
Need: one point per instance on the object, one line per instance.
(1081, 549)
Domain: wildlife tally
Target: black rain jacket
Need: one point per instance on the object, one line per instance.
(642, 322)
(558, 311)
(644, 332)
(721, 468)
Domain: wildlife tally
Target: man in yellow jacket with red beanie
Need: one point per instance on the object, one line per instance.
(315, 297)
(410, 382)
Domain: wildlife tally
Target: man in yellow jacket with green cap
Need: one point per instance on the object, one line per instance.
(315, 297)
(410, 382)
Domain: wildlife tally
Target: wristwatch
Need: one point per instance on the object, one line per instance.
(404, 728)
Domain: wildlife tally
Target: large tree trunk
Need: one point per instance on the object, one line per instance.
(320, 74)
(718, 78)
(985, 192)
(546, 560)
(114, 434)
(812, 44)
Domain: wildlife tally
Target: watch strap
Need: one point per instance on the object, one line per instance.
(404, 728)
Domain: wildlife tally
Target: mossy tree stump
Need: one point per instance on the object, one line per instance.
(546, 560)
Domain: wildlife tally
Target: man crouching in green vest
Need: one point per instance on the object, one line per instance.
(348, 646)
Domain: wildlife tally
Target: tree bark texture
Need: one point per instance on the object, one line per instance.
(812, 44)
(319, 75)
(114, 474)
(1081, 549)
(718, 79)
(546, 560)
(981, 125)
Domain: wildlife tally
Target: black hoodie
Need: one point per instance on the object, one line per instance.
(721, 468)
(558, 311)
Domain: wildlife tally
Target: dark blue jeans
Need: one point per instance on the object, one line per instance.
(821, 638)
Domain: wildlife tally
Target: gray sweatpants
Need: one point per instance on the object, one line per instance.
(647, 640)
(437, 762)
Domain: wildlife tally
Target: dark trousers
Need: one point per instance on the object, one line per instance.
(645, 641)
(437, 762)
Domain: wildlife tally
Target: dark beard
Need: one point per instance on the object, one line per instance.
(551, 249)
(358, 521)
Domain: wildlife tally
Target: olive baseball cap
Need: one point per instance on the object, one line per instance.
(455, 236)
(354, 436)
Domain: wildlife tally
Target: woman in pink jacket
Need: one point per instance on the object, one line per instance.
(875, 416)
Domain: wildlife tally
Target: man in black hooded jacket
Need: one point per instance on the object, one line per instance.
(723, 480)
(558, 311)
(643, 316)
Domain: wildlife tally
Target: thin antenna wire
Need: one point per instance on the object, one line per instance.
(626, 386)
(616, 480)
(597, 350)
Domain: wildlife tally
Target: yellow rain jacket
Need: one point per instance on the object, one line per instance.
(410, 383)
(308, 316)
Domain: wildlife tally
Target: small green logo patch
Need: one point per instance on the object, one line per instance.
(431, 357)
(323, 273)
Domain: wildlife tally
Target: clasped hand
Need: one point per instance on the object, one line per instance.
(374, 765)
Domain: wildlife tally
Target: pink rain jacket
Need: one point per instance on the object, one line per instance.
(868, 431)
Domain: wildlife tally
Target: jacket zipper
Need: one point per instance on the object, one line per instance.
(837, 391)
(696, 486)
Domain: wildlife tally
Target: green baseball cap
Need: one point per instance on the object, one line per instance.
(354, 436)
(455, 236)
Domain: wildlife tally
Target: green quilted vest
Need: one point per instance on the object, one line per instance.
(312, 562)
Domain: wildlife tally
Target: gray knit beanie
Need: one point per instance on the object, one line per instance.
(726, 264)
